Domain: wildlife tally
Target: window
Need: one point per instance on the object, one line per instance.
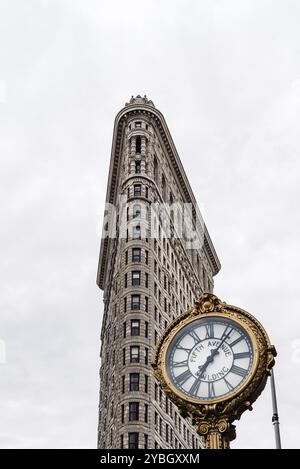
(146, 192)
(160, 426)
(137, 190)
(134, 383)
(124, 330)
(136, 232)
(123, 384)
(146, 356)
(135, 327)
(134, 354)
(146, 409)
(146, 280)
(146, 383)
(155, 169)
(145, 440)
(125, 281)
(138, 167)
(146, 257)
(138, 144)
(146, 329)
(136, 255)
(164, 187)
(134, 410)
(125, 304)
(122, 441)
(135, 302)
(133, 440)
(138, 125)
(146, 304)
(124, 356)
(136, 278)
(136, 211)
(126, 257)
(122, 413)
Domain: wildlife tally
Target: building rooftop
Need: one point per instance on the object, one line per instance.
(140, 100)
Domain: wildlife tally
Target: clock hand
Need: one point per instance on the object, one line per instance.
(213, 353)
(222, 342)
(209, 359)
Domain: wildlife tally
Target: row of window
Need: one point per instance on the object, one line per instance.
(133, 440)
(135, 355)
(134, 414)
(137, 191)
(135, 303)
(135, 328)
(136, 234)
(136, 279)
(139, 413)
(136, 255)
(137, 125)
(135, 383)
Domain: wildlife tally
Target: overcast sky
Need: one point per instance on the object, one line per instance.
(226, 75)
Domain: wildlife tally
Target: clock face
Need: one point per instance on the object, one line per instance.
(209, 358)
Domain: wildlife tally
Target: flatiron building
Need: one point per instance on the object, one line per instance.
(150, 272)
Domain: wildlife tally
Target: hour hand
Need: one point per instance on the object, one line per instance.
(209, 359)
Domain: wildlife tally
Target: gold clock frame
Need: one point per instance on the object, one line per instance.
(214, 417)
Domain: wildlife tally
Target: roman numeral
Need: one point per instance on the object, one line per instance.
(236, 341)
(229, 386)
(181, 379)
(211, 390)
(195, 336)
(237, 370)
(179, 364)
(195, 387)
(226, 333)
(209, 331)
(236, 356)
(183, 348)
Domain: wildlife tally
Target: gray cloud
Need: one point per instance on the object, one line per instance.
(226, 75)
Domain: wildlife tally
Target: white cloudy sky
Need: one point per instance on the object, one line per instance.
(226, 75)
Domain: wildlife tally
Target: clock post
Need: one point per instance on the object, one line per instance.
(213, 363)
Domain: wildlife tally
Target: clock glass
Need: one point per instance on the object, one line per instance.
(209, 358)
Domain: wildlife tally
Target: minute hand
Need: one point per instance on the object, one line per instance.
(222, 342)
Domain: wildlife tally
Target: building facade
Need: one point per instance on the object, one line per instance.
(150, 273)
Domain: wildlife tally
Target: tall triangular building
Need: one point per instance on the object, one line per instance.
(156, 258)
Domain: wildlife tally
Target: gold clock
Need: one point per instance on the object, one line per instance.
(213, 362)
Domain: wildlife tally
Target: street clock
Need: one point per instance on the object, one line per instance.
(213, 363)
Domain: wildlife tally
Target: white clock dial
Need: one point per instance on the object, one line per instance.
(209, 358)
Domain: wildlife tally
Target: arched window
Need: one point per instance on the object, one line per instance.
(136, 211)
